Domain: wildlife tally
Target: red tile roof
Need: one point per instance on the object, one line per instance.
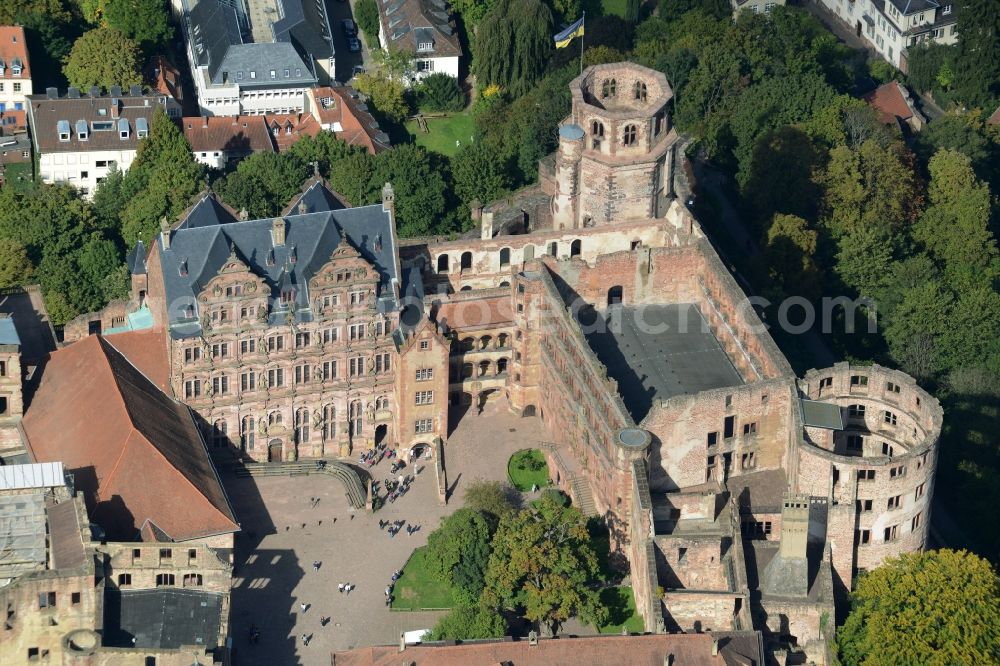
(650, 650)
(147, 350)
(135, 453)
(332, 109)
(995, 118)
(12, 45)
(475, 313)
(287, 128)
(163, 76)
(888, 99)
(233, 134)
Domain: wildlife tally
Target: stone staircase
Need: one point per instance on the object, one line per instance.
(355, 490)
(583, 497)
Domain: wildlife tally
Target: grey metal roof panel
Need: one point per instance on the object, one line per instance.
(910, 7)
(141, 125)
(207, 212)
(822, 415)
(164, 618)
(8, 332)
(214, 28)
(304, 24)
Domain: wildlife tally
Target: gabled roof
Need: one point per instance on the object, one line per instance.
(304, 24)
(135, 453)
(198, 252)
(891, 102)
(14, 50)
(408, 24)
(231, 134)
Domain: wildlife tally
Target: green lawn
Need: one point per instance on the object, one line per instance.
(620, 603)
(444, 132)
(416, 589)
(524, 470)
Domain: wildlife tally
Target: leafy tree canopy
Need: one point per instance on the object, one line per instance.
(440, 92)
(490, 497)
(103, 57)
(144, 21)
(513, 45)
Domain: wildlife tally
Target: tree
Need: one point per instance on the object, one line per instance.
(490, 497)
(458, 552)
(632, 11)
(925, 61)
(936, 607)
(977, 62)
(419, 186)
(513, 45)
(790, 252)
(366, 14)
(160, 182)
(671, 10)
(264, 183)
(864, 256)
(386, 95)
(15, 267)
(955, 227)
(479, 174)
(440, 92)
(326, 149)
(468, 622)
(716, 78)
(543, 562)
(915, 329)
(392, 64)
(103, 57)
(146, 22)
(472, 11)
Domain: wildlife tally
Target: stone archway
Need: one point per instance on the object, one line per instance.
(275, 451)
(381, 431)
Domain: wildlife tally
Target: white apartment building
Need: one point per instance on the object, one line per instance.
(892, 26)
(80, 137)
(755, 6)
(15, 74)
(423, 28)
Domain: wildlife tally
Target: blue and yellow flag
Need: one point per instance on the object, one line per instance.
(569, 33)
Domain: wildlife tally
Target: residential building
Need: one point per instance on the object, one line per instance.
(162, 76)
(423, 28)
(292, 50)
(755, 6)
(15, 72)
(894, 105)
(335, 109)
(743, 497)
(79, 137)
(219, 141)
(891, 27)
(15, 154)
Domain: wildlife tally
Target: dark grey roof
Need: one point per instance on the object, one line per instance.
(136, 259)
(259, 59)
(214, 28)
(205, 213)
(165, 618)
(197, 253)
(822, 415)
(305, 25)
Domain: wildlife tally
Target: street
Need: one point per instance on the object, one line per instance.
(337, 11)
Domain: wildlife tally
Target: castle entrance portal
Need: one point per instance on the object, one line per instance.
(274, 451)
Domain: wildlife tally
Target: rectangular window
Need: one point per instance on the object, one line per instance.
(864, 506)
(915, 523)
(166, 554)
(356, 331)
(357, 297)
(192, 354)
(890, 533)
(381, 363)
(425, 345)
(425, 374)
(748, 461)
(889, 417)
(728, 427)
(302, 373)
(357, 366)
(192, 388)
(47, 600)
(329, 335)
(423, 426)
(887, 449)
(424, 397)
(859, 380)
(750, 428)
(164, 579)
(856, 411)
(220, 385)
(248, 346)
(866, 475)
(918, 492)
(855, 442)
(891, 388)
(863, 537)
(301, 340)
(713, 438)
(276, 377)
(897, 472)
(329, 370)
(893, 503)
(275, 343)
(220, 350)
(248, 381)
(74, 598)
(124, 580)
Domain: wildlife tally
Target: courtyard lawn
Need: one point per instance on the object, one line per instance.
(416, 589)
(527, 468)
(444, 132)
(622, 614)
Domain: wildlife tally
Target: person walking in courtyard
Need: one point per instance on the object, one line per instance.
(340, 588)
(303, 606)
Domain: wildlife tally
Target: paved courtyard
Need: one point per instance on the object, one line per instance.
(283, 534)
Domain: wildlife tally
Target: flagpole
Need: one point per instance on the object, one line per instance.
(584, 26)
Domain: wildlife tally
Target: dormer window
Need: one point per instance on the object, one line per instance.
(182, 268)
(298, 72)
(292, 256)
(141, 128)
(63, 128)
(253, 74)
(425, 46)
(239, 76)
(286, 73)
(82, 131)
(946, 10)
(274, 74)
(288, 295)
(123, 131)
(270, 258)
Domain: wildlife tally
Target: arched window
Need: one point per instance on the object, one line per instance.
(575, 247)
(484, 368)
(597, 129)
(505, 257)
(466, 288)
(468, 344)
(505, 284)
(615, 295)
(301, 425)
(247, 433)
(629, 137)
(640, 91)
(329, 422)
(484, 342)
(466, 261)
(501, 366)
(274, 418)
(466, 370)
(382, 402)
(529, 252)
(503, 340)
(220, 430)
(609, 88)
(443, 263)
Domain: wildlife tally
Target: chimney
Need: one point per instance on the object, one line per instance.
(278, 232)
(204, 122)
(532, 638)
(388, 199)
(303, 208)
(402, 642)
(715, 647)
(244, 215)
(668, 659)
(794, 526)
(164, 233)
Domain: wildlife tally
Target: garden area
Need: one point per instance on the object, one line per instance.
(445, 135)
(527, 469)
(418, 588)
(622, 614)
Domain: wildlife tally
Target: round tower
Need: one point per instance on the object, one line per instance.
(564, 202)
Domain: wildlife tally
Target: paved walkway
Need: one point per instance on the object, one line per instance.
(284, 534)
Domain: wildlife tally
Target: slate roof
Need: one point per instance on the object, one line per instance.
(908, 7)
(304, 23)
(218, 45)
(165, 618)
(198, 251)
(408, 23)
(135, 453)
(136, 259)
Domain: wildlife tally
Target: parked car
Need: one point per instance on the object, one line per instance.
(358, 69)
(348, 27)
(353, 45)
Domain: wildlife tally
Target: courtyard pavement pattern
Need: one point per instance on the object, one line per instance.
(283, 534)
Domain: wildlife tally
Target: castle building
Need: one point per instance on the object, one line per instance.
(742, 496)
